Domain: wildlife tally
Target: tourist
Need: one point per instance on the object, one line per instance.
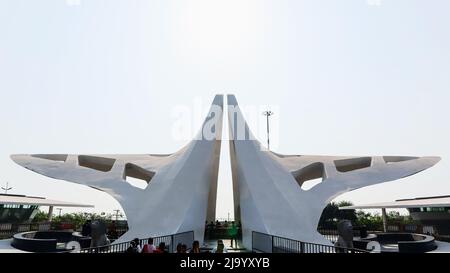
(112, 231)
(233, 232)
(220, 247)
(179, 248)
(138, 244)
(149, 247)
(183, 248)
(86, 228)
(133, 248)
(195, 247)
(161, 248)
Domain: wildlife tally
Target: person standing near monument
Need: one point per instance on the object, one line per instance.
(233, 232)
(149, 247)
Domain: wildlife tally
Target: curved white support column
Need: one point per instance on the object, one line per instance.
(181, 191)
(268, 187)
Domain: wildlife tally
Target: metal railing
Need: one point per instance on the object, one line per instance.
(413, 228)
(332, 234)
(266, 243)
(7, 230)
(171, 242)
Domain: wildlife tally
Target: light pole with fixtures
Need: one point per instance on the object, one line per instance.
(268, 113)
(118, 214)
(6, 188)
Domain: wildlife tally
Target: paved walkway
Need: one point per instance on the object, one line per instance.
(5, 247)
(442, 247)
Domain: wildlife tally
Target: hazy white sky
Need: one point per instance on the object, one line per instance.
(347, 77)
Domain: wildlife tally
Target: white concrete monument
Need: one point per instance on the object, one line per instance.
(181, 191)
(270, 190)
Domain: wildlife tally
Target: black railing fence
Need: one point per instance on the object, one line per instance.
(413, 228)
(171, 242)
(7, 230)
(266, 243)
(333, 234)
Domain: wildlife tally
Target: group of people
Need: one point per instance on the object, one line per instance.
(112, 232)
(224, 224)
(229, 230)
(149, 247)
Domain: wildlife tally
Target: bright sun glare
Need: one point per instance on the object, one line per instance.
(210, 28)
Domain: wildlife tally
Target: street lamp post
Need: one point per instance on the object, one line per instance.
(117, 214)
(268, 113)
(6, 188)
